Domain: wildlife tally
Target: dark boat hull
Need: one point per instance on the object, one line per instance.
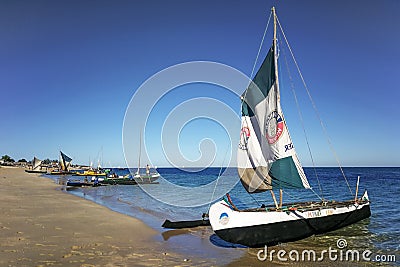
(184, 224)
(120, 181)
(79, 183)
(274, 233)
(130, 181)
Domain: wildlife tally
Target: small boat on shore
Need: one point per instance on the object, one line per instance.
(267, 160)
(64, 163)
(128, 180)
(118, 180)
(125, 180)
(36, 166)
(149, 177)
(79, 183)
(91, 172)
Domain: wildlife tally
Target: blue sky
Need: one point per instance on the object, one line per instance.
(68, 70)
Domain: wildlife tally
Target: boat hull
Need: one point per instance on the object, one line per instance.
(34, 171)
(146, 179)
(277, 227)
(79, 183)
(120, 181)
(89, 174)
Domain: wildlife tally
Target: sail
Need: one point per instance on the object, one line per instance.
(65, 161)
(36, 164)
(266, 154)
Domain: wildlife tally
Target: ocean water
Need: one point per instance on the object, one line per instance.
(183, 195)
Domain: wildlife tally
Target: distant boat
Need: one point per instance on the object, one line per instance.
(64, 164)
(36, 166)
(267, 160)
(78, 183)
(149, 177)
(114, 180)
(91, 172)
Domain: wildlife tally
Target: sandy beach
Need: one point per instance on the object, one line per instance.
(42, 226)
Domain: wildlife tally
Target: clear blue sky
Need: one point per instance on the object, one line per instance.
(68, 70)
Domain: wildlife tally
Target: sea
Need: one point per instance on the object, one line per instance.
(184, 194)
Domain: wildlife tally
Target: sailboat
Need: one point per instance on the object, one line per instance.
(36, 166)
(149, 177)
(92, 172)
(64, 164)
(267, 160)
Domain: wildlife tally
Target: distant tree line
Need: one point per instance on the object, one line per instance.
(48, 161)
(8, 159)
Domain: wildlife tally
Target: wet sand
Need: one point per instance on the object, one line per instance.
(43, 226)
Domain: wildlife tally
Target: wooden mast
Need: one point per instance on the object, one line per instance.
(274, 48)
(274, 16)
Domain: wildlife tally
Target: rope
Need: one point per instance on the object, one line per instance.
(251, 75)
(315, 109)
(290, 195)
(302, 123)
(261, 44)
(216, 183)
(255, 62)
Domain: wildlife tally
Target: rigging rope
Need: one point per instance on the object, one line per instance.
(255, 62)
(315, 109)
(242, 100)
(251, 77)
(302, 123)
(216, 182)
(261, 44)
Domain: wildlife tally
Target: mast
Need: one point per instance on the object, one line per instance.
(263, 161)
(140, 152)
(276, 80)
(274, 16)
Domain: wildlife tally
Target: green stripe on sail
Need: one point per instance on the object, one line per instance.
(284, 174)
(264, 79)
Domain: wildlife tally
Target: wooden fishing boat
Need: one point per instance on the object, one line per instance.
(121, 180)
(91, 173)
(267, 160)
(36, 166)
(64, 164)
(149, 177)
(79, 183)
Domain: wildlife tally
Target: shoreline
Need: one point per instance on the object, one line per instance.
(42, 226)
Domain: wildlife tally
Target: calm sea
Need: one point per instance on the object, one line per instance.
(380, 233)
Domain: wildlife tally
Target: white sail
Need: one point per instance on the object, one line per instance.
(61, 162)
(266, 154)
(36, 163)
